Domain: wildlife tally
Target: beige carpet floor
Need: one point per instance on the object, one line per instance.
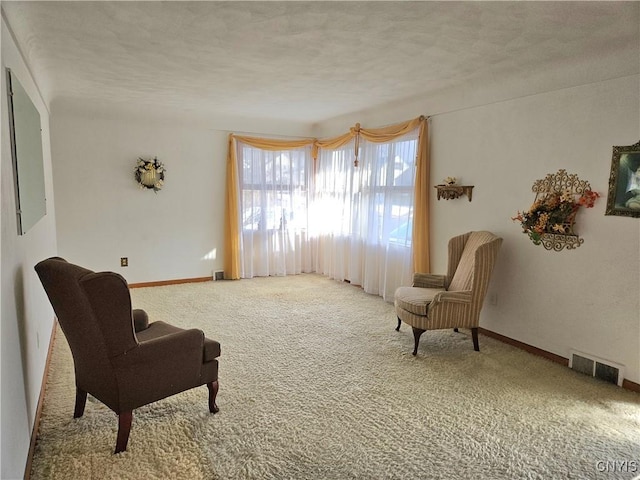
(316, 384)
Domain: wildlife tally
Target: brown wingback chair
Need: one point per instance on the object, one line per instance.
(453, 300)
(119, 357)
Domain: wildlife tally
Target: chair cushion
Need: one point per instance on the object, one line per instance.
(158, 329)
(415, 299)
(155, 330)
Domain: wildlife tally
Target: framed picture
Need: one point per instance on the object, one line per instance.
(624, 182)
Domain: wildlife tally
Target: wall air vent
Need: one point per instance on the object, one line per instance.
(596, 367)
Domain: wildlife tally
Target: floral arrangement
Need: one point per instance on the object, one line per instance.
(450, 181)
(150, 174)
(554, 213)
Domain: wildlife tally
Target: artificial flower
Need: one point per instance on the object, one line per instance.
(553, 213)
(450, 180)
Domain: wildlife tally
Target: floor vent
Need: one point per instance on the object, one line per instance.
(219, 275)
(596, 367)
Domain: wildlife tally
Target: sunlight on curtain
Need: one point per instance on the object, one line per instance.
(274, 200)
(365, 234)
(335, 213)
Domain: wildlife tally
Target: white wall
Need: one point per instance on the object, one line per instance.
(27, 317)
(102, 214)
(586, 299)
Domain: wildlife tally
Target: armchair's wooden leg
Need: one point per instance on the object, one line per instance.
(81, 401)
(124, 427)
(213, 392)
(399, 323)
(474, 335)
(416, 336)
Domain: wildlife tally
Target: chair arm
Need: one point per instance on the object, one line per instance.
(140, 319)
(158, 368)
(451, 310)
(429, 280)
(462, 297)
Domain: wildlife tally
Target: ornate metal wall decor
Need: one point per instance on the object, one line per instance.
(449, 192)
(550, 220)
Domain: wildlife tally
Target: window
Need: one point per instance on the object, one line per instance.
(363, 223)
(391, 189)
(347, 222)
(274, 188)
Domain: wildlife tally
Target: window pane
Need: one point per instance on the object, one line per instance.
(274, 188)
(389, 190)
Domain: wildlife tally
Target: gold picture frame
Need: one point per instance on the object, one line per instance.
(624, 182)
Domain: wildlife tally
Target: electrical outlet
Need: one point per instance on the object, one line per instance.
(124, 261)
(493, 299)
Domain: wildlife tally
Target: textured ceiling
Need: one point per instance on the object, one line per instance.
(303, 61)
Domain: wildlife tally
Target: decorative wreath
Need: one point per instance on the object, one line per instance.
(150, 174)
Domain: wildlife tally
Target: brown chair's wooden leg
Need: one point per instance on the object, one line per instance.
(399, 323)
(81, 401)
(213, 392)
(474, 335)
(124, 427)
(416, 336)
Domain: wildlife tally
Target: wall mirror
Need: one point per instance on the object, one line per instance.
(624, 182)
(26, 151)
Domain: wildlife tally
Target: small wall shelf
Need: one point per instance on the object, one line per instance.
(449, 192)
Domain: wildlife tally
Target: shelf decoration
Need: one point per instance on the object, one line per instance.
(150, 174)
(450, 190)
(550, 220)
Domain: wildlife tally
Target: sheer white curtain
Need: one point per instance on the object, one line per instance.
(336, 215)
(274, 191)
(367, 213)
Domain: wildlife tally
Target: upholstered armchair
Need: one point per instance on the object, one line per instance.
(119, 357)
(453, 300)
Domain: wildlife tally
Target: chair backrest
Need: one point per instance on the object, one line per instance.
(95, 317)
(468, 254)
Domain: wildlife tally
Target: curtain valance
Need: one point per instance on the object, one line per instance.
(273, 144)
(378, 135)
